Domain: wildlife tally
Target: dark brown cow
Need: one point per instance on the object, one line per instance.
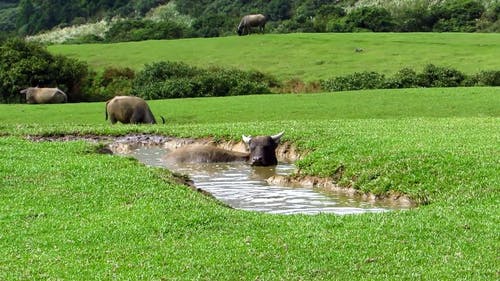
(249, 21)
(262, 152)
(129, 109)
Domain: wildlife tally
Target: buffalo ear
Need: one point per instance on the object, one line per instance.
(246, 139)
(276, 138)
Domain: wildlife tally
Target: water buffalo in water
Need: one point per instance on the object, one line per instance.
(262, 152)
(44, 95)
(129, 109)
(249, 21)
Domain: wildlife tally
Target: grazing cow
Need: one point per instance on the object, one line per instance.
(249, 21)
(44, 95)
(129, 109)
(262, 152)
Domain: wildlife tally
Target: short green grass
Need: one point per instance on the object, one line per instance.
(69, 213)
(307, 57)
(379, 104)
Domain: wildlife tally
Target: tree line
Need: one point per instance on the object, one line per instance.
(220, 17)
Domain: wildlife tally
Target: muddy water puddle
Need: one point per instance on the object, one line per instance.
(244, 187)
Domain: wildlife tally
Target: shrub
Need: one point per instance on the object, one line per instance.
(457, 15)
(111, 82)
(112, 74)
(484, 78)
(161, 71)
(376, 19)
(179, 80)
(176, 88)
(213, 25)
(431, 76)
(435, 76)
(355, 81)
(404, 78)
(417, 17)
(26, 64)
(138, 30)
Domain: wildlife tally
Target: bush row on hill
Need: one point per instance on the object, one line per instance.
(430, 76)
(178, 80)
(26, 64)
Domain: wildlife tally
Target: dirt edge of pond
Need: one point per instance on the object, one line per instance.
(286, 152)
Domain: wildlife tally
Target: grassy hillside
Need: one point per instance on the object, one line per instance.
(379, 104)
(305, 56)
(71, 214)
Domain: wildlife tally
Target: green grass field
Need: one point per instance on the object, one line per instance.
(308, 57)
(67, 213)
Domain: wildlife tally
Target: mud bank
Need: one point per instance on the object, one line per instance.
(286, 152)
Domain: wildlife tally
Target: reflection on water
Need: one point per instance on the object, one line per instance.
(244, 187)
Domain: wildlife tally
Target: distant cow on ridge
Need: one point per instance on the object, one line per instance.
(44, 95)
(249, 21)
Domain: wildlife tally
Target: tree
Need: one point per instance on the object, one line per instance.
(458, 15)
(376, 19)
(26, 64)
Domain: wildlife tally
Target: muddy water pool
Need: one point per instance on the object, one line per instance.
(244, 187)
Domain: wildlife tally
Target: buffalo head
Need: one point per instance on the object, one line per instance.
(262, 149)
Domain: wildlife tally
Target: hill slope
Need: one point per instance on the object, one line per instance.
(304, 56)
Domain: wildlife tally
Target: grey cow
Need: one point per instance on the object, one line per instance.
(249, 21)
(36, 95)
(129, 110)
(262, 152)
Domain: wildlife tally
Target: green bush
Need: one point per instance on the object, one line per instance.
(138, 30)
(85, 39)
(355, 81)
(26, 64)
(484, 78)
(431, 76)
(179, 80)
(214, 25)
(376, 19)
(161, 71)
(113, 81)
(457, 15)
(436, 76)
(404, 78)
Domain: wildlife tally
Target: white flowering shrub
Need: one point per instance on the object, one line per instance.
(169, 12)
(66, 34)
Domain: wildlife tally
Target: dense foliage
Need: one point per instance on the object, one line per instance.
(38, 15)
(111, 82)
(24, 64)
(220, 18)
(137, 30)
(430, 76)
(179, 80)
